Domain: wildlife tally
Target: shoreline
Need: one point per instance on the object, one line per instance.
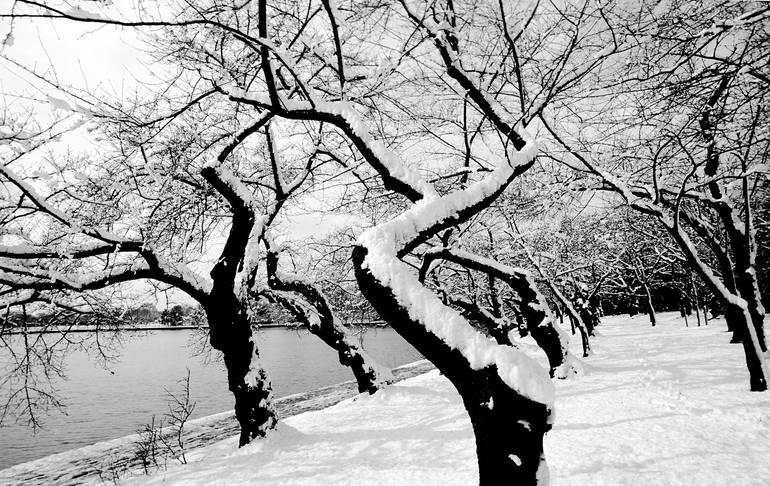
(95, 462)
(261, 325)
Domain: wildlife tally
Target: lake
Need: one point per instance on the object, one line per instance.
(105, 403)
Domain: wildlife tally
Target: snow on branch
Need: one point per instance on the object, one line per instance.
(748, 18)
(396, 175)
(446, 43)
(155, 266)
(385, 241)
(16, 276)
(42, 204)
(66, 252)
(546, 332)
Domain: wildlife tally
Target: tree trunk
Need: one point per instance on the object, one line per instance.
(650, 308)
(683, 314)
(574, 318)
(586, 318)
(757, 378)
(522, 327)
(308, 305)
(733, 325)
(231, 333)
(748, 289)
(696, 298)
(508, 427)
(560, 315)
(741, 242)
(728, 277)
(740, 317)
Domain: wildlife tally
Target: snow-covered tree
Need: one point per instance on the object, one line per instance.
(154, 210)
(685, 93)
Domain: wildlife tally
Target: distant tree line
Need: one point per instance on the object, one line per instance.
(141, 315)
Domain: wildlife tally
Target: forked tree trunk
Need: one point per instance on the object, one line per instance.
(574, 317)
(508, 427)
(227, 307)
(231, 334)
(314, 311)
(575, 320)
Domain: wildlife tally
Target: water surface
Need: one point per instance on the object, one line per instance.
(105, 403)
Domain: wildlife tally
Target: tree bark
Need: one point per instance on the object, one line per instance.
(231, 333)
(508, 427)
(757, 378)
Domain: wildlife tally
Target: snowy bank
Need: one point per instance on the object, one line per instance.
(93, 463)
(661, 406)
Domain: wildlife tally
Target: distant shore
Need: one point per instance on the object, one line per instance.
(67, 329)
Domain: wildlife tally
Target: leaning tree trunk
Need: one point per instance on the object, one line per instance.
(231, 333)
(736, 308)
(508, 426)
(314, 311)
(741, 242)
(574, 317)
(507, 394)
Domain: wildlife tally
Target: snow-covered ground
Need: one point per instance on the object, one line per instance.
(660, 406)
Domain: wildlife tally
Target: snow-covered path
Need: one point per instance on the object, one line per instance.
(664, 406)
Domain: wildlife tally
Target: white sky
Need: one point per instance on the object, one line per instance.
(86, 56)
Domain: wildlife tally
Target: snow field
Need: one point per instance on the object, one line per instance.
(660, 406)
